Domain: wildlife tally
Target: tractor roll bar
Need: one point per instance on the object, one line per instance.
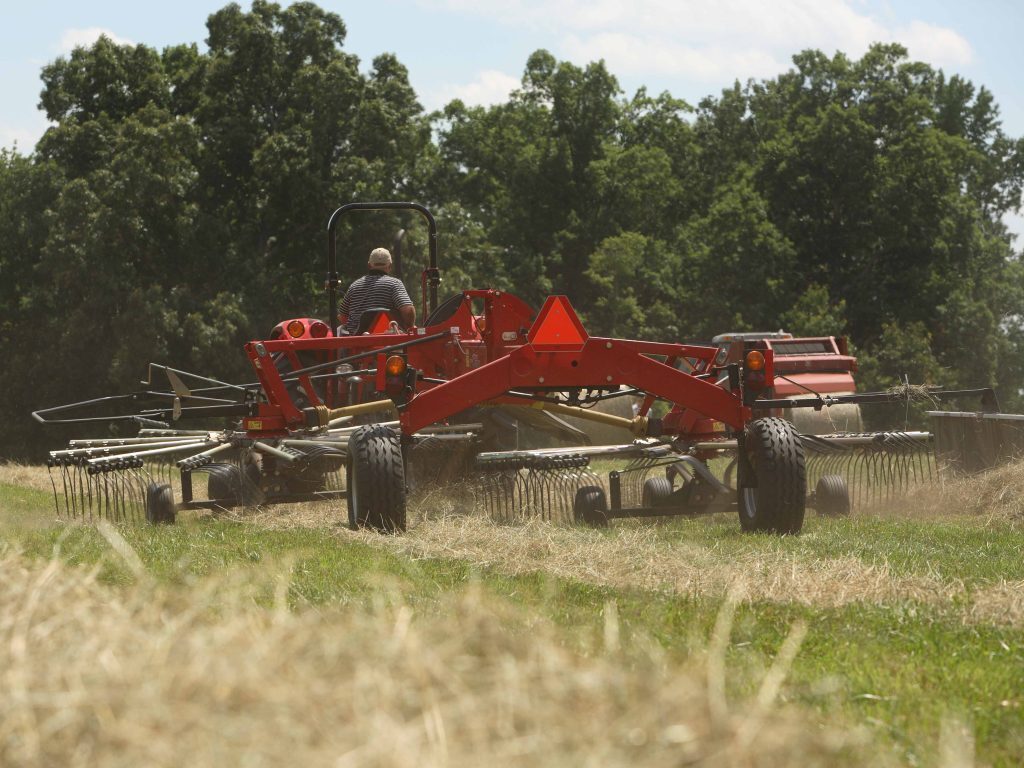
(433, 273)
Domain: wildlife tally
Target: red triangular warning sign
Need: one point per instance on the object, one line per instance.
(557, 326)
(381, 323)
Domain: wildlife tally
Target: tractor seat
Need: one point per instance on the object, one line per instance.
(369, 317)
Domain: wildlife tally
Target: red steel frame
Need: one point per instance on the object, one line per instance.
(478, 359)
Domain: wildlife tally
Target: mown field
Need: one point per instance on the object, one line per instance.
(281, 638)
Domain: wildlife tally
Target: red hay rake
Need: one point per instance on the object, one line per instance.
(369, 417)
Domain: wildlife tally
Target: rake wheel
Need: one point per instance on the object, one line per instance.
(231, 486)
(831, 497)
(590, 507)
(376, 480)
(160, 504)
(655, 491)
(772, 485)
(313, 477)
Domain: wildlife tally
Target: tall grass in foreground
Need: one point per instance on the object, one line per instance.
(225, 674)
(182, 650)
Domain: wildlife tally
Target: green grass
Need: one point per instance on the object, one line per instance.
(952, 550)
(899, 668)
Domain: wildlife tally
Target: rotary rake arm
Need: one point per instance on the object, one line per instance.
(158, 405)
(989, 401)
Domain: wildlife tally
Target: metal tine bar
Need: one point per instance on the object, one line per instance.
(157, 452)
(140, 441)
(92, 453)
(275, 452)
(205, 454)
(174, 432)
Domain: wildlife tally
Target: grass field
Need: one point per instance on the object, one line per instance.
(281, 637)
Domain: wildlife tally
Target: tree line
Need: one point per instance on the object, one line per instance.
(176, 207)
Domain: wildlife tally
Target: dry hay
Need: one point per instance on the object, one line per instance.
(637, 557)
(993, 496)
(25, 476)
(206, 677)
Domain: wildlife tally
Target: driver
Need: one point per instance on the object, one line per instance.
(376, 289)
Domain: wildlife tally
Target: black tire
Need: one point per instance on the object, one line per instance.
(321, 461)
(376, 479)
(772, 488)
(655, 492)
(223, 484)
(831, 496)
(589, 507)
(160, 504)
(226, 484)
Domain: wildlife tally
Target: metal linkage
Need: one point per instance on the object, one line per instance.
(631, 479)
(876, 467)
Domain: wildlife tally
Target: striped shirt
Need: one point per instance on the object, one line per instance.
(374, 289)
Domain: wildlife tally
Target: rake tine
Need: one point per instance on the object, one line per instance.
(64, 472)
(498, 491)
(92, 491)
(112, 490)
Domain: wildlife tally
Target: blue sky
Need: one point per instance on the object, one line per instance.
(476, 49)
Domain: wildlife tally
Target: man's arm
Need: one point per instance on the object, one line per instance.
(406, 309)
(408, 315)
(343, 310)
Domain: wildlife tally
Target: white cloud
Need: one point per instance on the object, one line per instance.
(631, 54)
(1015, 223)
(711, 40)
(935, 44)
(489, 87)
(73, 38)
(24, 135)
